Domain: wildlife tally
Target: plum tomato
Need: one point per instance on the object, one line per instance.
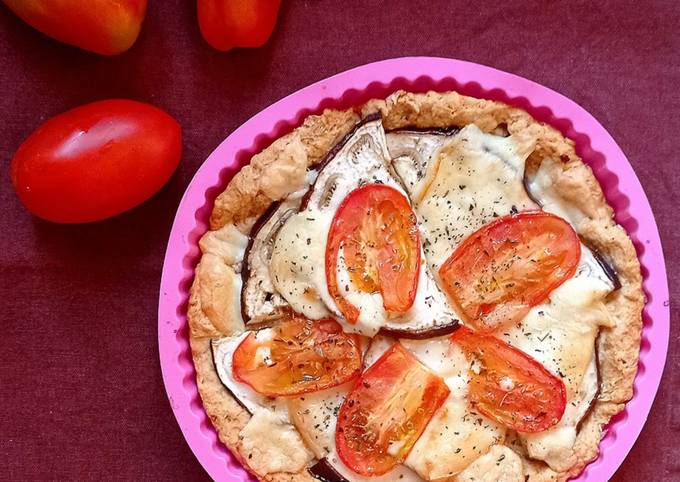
(96, 161)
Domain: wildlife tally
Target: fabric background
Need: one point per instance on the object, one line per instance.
(80, 382)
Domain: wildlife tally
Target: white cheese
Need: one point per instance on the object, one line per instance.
(500, 464)
(271, 444)
(297, 266)
(456, 435)
(472, 179)
(315, 415)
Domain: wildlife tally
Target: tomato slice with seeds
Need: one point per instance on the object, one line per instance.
(297, 356)
(374, 233)
(509, 386)
(386, 412)
(510, 265)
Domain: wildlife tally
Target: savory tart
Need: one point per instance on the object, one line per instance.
(429, 287)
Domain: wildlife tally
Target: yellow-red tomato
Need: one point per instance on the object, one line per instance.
(96, 161)
(106, 27)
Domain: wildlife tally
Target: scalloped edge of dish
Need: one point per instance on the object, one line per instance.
(593, 144)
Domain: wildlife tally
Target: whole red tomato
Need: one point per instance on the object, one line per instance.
(96, 161)
(106, 27)
(226, 24)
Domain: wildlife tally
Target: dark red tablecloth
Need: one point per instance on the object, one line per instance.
(82, 395)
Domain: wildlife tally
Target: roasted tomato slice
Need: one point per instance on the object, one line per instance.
(509, 386)
(509, 265)
(374, 233)
(386, 412)
(297, 356)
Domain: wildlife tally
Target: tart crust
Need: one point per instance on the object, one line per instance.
(280, 169)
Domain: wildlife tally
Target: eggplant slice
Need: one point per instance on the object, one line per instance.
(360, 158)
(606, 266)
(411, 150)
(538, 184)
(259, 299)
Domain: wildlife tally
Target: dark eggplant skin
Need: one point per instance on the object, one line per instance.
(245, 268)
(441, 131)
(422, 334)
(604, 264)
(325, 472)
(232, 394)
(334, 151)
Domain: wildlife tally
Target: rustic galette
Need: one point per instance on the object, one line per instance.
(429, 287)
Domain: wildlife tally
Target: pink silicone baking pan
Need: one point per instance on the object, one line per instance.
(379, 79)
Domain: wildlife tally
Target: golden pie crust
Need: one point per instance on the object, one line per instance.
(214, 307)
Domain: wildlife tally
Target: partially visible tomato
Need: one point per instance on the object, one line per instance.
(510, 265)
(297, 356)
(96, 161)
(374, 231)
(226, 24)
(509, 386)
(386, 412)
(106, 27)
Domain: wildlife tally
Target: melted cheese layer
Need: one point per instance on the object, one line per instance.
(560, 334)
